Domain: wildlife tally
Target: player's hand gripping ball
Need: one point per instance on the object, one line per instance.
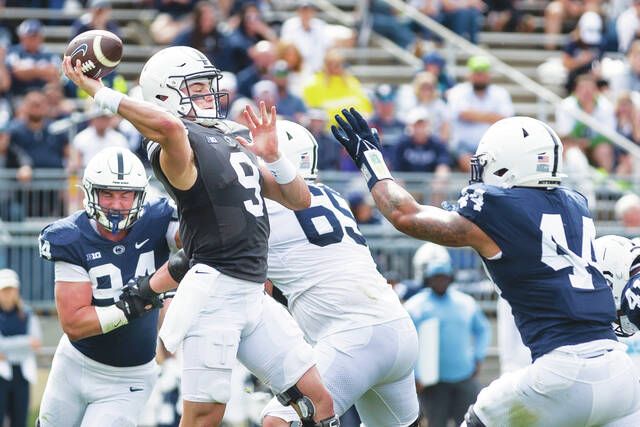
(99, 52)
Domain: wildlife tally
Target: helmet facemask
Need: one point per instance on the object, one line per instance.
(187, 107)
(115, 170)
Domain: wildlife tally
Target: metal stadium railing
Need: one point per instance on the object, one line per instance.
(27, 208)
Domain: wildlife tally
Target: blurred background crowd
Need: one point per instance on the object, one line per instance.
(430, 93)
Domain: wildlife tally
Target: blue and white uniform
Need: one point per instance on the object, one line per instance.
(562, 307)
(344, 306)
(107, 376)
(630, 300)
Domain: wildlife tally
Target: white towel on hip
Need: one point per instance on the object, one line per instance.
(190, 297)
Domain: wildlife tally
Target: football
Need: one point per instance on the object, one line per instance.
(98, 51)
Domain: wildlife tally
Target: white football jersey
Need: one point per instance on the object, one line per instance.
(321, 263)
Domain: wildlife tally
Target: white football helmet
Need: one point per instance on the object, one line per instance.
(298, 145)
(170, 71)
(427, 254)
(115, 169)
(518, 151)
(617, 256)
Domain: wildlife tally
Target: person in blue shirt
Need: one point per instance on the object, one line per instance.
(464, 335)
(536, 240)
(20, 338)
(30, 64)
(421, 151)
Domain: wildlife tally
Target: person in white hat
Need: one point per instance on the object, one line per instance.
(20, 338)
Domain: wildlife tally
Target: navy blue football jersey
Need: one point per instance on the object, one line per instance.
(111, 265)
(630, 300)
(547, 270)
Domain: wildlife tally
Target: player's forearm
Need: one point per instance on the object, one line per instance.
(162, 281)
(419, 221)
(296, 194)
(84, 323)
(151, 121)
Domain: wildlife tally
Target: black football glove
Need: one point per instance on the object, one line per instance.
(133, 304)
(363, 145)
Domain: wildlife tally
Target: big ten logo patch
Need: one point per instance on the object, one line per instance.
(472, 197)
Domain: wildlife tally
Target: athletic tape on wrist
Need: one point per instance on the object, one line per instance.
(374, 168)
(108, 99)
(110, 318)
(282, 170)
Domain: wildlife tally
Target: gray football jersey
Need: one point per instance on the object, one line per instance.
(223, 219)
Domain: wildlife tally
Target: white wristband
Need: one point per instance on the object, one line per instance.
(282, 170)
(108, 99)
(110, 318)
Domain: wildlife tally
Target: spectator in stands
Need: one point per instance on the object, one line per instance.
(389, 23)
(298, 74)
(431, 8)
(587, 98)
(362, 206)
(564, 12)
(31, 133)
(386, 121)
(13, 157)
(583, 52)
(309, 35)
(20, 339)
(59, 106)
(98, 17)
(420, 150)
(263, 56)
(428, 98)
(98, 135)
(288, 105)
(434, 63)
(328, 151)
(629, 79)
(628, 26)
(31, 66)
(463, 17)
(5, 86)
(173, 17)
(265, 91)
(504, 15)
(334, 88)
(627, 211)
(251, 30)
(627, 118)
(463, 338)
(203, 34)
(475, 105)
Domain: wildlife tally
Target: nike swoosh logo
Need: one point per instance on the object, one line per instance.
(134, 389)
(82, 48)
(139, 245)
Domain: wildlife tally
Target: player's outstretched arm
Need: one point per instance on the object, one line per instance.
(395, 203)
(281, 181)
(151, 121)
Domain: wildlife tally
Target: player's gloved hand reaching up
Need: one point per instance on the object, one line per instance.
(133, 304)
(363, 145)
